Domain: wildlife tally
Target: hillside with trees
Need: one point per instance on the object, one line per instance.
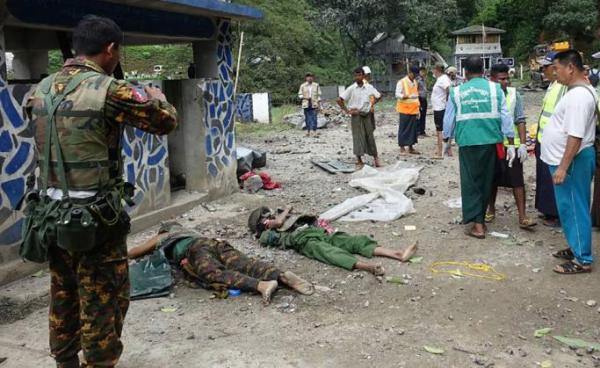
(330, 37)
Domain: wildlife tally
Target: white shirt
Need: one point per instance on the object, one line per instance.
(440, 92)
(574, 115)
(360, 97)
(57, 194)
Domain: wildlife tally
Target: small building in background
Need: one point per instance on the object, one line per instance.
(477, 40)
(392, 59)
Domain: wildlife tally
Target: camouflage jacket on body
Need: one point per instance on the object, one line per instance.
(89, 123)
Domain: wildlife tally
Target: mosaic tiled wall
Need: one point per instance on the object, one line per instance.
(243, 107)
(219, 138)
(145, 164)
(17, 157)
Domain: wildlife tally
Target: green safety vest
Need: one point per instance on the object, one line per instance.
(511, 102)
(553, 95)
(478, 120)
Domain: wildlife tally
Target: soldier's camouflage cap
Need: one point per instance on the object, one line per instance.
(167, 226)
(256, 217)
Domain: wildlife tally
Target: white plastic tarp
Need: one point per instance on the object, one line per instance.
(386, 200)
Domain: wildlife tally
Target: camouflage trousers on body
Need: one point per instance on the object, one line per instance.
(220, 266)
(89, 297)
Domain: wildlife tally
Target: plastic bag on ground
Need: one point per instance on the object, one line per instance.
(150, 277)
(386, 200)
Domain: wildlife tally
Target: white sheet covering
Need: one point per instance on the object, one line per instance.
(386, 200)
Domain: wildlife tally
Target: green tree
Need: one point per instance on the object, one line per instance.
(282, 47)
(576, 19)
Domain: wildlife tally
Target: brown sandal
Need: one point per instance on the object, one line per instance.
(571, 268)
(473, 235)
(527, 223)
(564, 254)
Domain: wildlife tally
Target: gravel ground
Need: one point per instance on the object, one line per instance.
(355, 320)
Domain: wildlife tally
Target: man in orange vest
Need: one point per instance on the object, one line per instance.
(407, 93)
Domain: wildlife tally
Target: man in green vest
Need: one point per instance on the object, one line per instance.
(78, 115)
(477, 116)
(545, 202)
(511, 177)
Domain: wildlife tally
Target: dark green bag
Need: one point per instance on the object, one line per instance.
(39, 229)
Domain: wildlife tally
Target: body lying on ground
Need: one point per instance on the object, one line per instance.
(304, 234)
(215, 264)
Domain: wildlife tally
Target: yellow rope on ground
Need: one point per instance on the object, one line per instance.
(481, 267)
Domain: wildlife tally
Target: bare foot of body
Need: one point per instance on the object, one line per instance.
(401, 255)
(375, 269)
(266, 289)
(297, 283)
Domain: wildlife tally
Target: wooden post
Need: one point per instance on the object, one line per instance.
(521, 71)
(237, 69)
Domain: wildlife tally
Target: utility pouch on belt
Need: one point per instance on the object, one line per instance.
(72, 224)
(76, 228)
(39, 227)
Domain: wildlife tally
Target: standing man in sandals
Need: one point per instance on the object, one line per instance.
(478, 116)
(511, 177)
(439, 100)
(408, 106)
(78, 115)
(544, 189)
(310, 95)
(568, 150)
(359, 101)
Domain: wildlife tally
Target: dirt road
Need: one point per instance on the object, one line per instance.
(355, 320)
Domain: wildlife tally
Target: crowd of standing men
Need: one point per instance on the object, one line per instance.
(486, 119)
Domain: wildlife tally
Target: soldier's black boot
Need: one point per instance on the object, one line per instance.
(71, 363)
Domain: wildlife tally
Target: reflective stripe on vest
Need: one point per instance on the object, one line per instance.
(511, 102)
(494, 110)
(553, 95)
(410, 105)
(478, 117)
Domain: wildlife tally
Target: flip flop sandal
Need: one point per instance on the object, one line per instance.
(414, 152)
(473, 235)
(553, 224)
(571, 268)
(489, 217)
(564, 254)
(527, 223)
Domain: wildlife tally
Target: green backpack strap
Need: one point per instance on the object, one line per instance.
(51, 104)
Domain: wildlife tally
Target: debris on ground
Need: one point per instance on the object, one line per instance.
(386, 200)
(252, 182)
(334, 166)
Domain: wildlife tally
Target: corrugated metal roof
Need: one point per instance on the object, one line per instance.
(478, 30)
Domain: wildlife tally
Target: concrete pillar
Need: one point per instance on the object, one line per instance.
(30, 64)
(205, 59)
(186, 145)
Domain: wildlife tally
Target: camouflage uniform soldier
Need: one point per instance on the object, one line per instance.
(215, 264)
(89, 293)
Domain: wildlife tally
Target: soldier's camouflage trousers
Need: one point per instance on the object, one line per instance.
(220, 266)
(89, 297)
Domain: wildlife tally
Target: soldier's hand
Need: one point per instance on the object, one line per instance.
(154, 93)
